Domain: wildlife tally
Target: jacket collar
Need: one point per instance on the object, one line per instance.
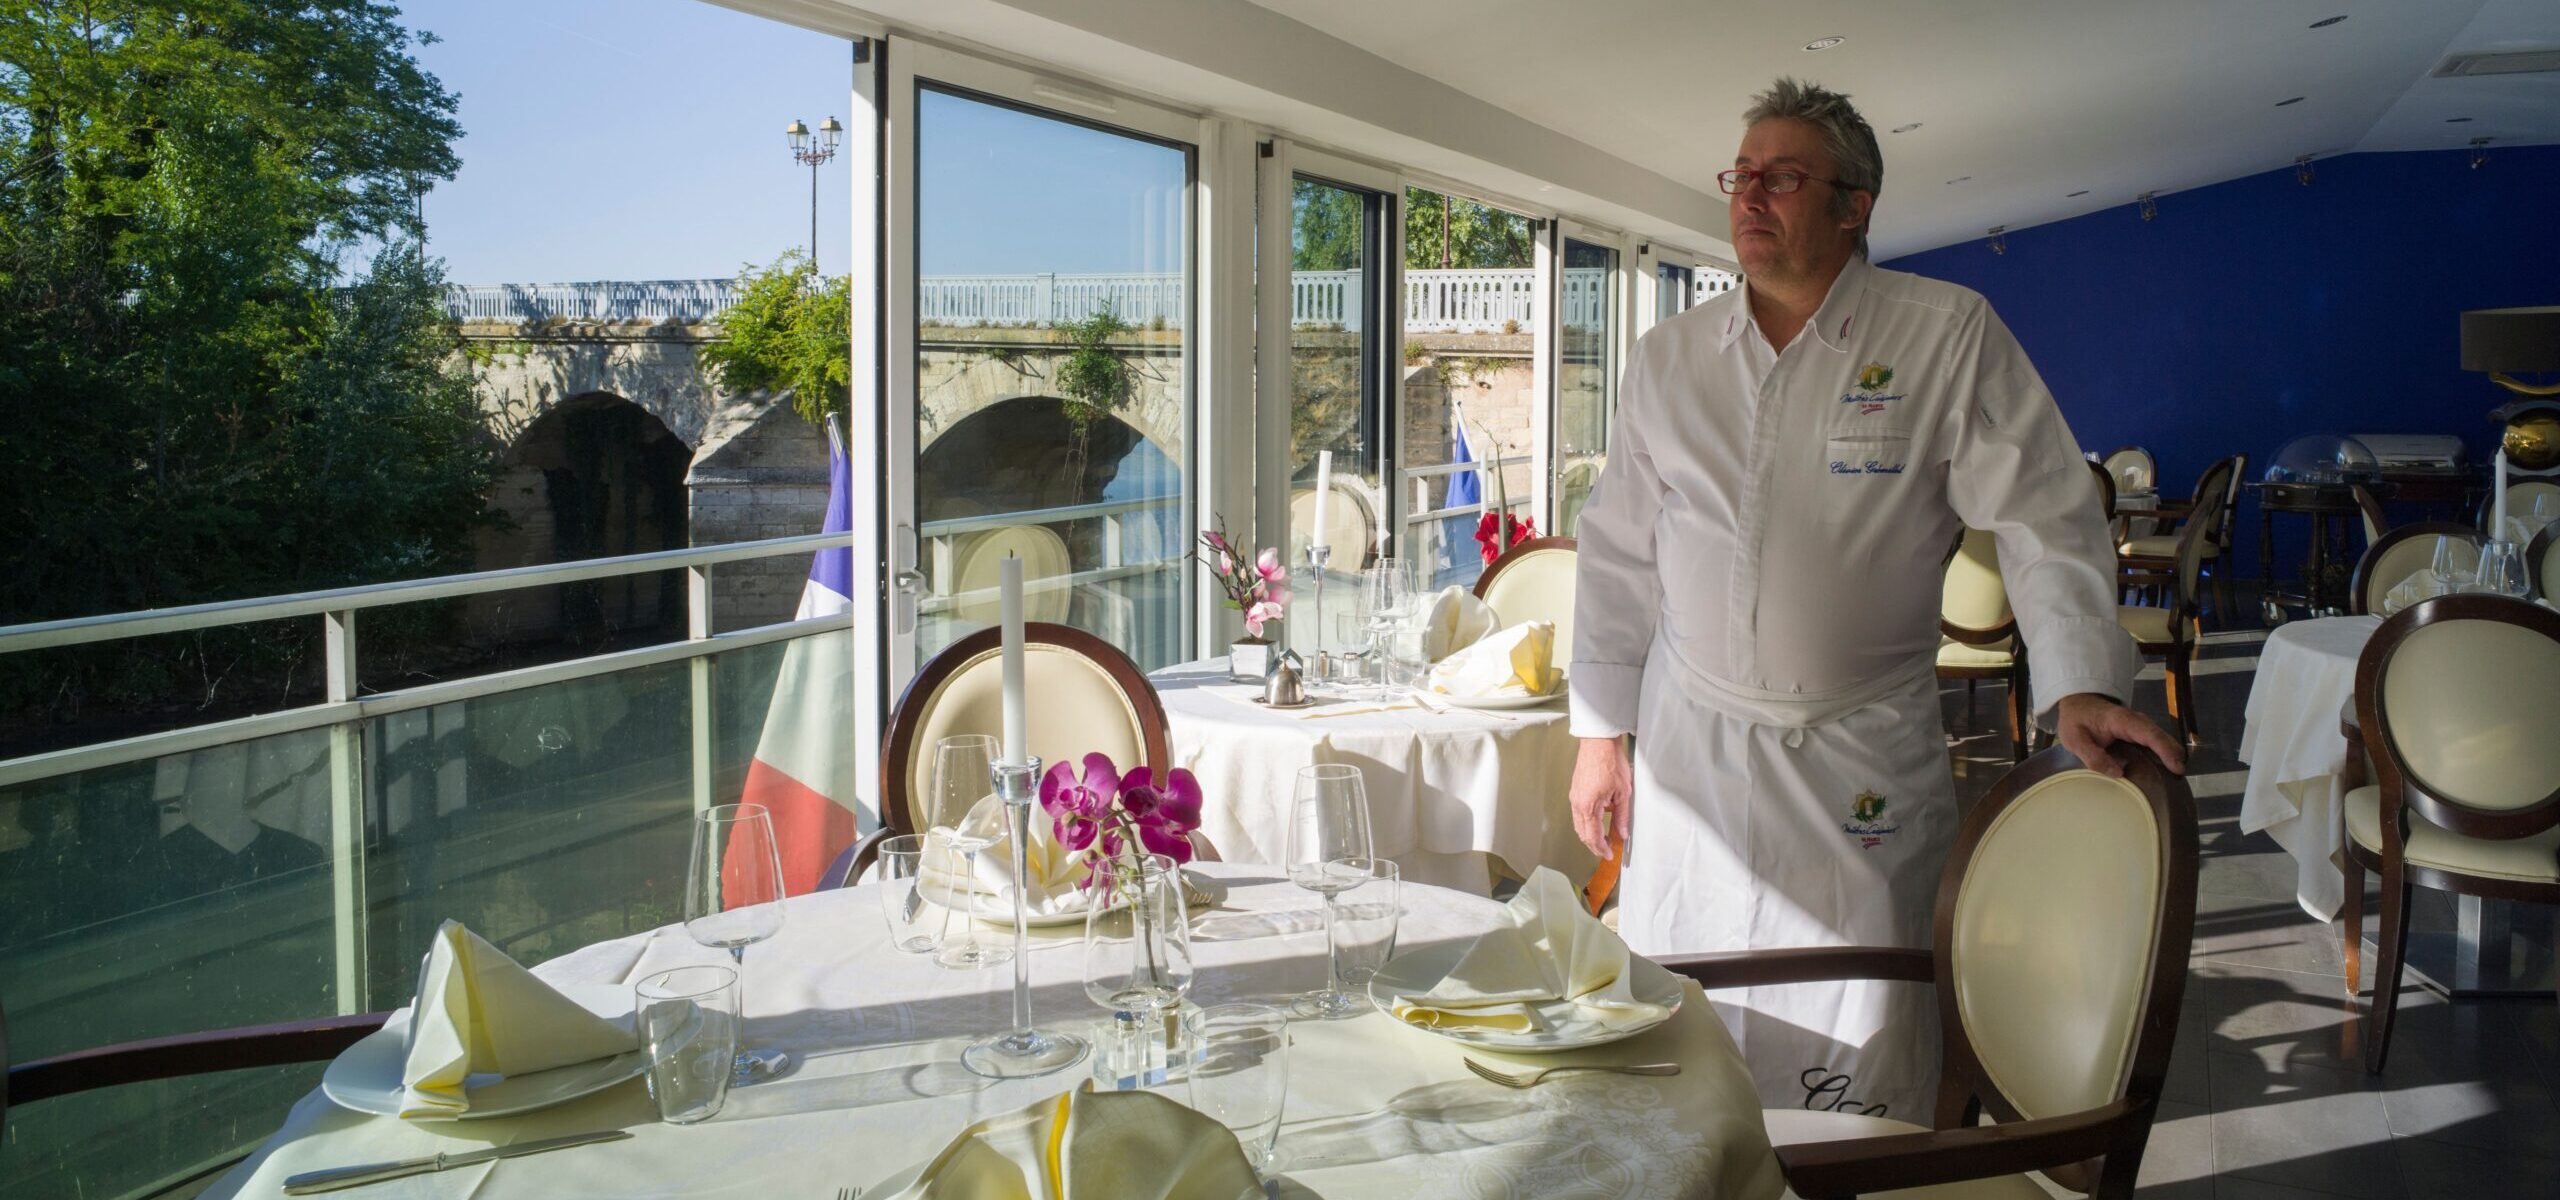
(1831, 324)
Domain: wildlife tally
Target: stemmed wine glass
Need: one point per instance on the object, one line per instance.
(1329, 853)
(1390, 597)
(966, 814)
(732, 900)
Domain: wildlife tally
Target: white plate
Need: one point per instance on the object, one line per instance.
(1499, 703)
(366, 1077)
(1409, 976)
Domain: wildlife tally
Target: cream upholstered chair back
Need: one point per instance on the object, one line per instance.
(978, 560)
(2404, 552)
(1351, 524)
(2133, 469)
(2542, 562)
(2063, 932)
(1086, 697)
(2213, 492)
(2520, 500)
(1533, 581)
(2369, 507)
(2462, 688)
(1972, 597)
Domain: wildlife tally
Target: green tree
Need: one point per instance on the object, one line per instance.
(1451, 231)
(199, 406)
(790, 331)
(1327, 228)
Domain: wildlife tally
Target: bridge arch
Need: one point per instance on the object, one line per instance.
(592, 476)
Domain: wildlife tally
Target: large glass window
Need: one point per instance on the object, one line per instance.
(1586, 375)
(1671, 294)
(1053, 399)
(1471, 309)
(1335, 403)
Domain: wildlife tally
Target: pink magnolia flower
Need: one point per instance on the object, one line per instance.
(1261, 612)
(1267, 565)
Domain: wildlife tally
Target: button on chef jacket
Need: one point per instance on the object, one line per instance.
(1778, 521)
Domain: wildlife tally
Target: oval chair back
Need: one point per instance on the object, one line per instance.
(1351, 525)
(2106, 498)
(2230, 509)
(2542, 563)
(2520, 499)
(2460, 688)
(2212, 495)
(2370, 507)
(2062, 930)
(2404, 552)
(1533, 581)
(2133, 468)
(1973, 602)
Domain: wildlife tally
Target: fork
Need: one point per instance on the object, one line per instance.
(1534, 1078)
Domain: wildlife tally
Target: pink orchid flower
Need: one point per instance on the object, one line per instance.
(1077, 806)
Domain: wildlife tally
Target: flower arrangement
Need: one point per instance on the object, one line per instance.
(1258, 589)
(1107, 815)
(1514, 530)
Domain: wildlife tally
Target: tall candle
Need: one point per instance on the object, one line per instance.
(1017, 722)
(2498, 527)
(1324, 496)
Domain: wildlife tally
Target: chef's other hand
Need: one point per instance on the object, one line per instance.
(1603, 787)
(2089, 725)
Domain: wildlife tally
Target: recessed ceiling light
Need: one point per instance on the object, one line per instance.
(1906, 128)
(2326, 22)
(1824, 43)
(2295, 100)
(2455, 120)
(2081, 192)
(1960, 179)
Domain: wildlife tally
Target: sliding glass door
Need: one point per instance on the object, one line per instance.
(1587, 337)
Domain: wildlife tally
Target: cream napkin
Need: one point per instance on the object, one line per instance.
(2421, 586)
(1055, 870)
(1552, 949)
(479, 1012)
(1087, 1144)
(1455, 621)
(1518, 661)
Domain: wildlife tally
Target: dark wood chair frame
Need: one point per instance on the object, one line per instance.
(2363, 575)
(180, 1055)
(2370, 507)
(2488, 506)
(898, 744)
(2185, 625)
(2403, 793)
(2150, 571)
(2097, 1151)
(2538, 552)
(2015, 673)
(1514, 554)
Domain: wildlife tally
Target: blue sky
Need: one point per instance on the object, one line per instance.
(642, 139)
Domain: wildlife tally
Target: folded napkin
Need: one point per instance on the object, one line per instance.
(1084, 1143)
(1551, 949)
(479, 1012)
(1455, 621)
(1055, 870)
(1518, 661)
(2421, 586)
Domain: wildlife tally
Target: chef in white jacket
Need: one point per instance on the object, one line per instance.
(1758, 606)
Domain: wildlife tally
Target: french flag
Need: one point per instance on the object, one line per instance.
(803, 772)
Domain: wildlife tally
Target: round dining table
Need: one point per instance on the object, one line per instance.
(2297, 758)
(1457, 796)
(1375, 1108)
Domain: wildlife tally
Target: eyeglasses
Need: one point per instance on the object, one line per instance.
(1778, 182)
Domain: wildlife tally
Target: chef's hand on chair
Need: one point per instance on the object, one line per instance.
(1603, 785)
(2088, 725)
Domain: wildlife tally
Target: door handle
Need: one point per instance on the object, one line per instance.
(908, 579)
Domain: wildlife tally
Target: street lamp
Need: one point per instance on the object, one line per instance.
(816, 152)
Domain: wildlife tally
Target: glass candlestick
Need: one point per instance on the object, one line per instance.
(1320, 668)
(1025, 1050)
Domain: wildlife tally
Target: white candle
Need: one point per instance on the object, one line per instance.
(2498, 527)
(1324, 495)
(1017, 739)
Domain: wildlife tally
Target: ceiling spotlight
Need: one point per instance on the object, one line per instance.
(2455, 120)
(2282, 103)
(1999, 246)
(2479, 153)
(1960, 179)
(2325, 22)
(1906, 128)
(1824, 43)
(2302, 170)
(2148, 207)
(2081, 192)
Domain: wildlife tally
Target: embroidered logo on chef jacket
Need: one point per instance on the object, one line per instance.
(1866, 821)
(1870, 395)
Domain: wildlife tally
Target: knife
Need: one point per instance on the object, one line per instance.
(346, 1177)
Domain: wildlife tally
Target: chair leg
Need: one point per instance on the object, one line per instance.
(2392, 942)
(2017, 715)
(2351, 914)
(2182, 696)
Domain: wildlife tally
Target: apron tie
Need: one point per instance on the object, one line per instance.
(1795, 737)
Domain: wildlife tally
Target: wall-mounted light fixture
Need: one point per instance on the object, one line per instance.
(2479, 153)
(1998, 246)
(2148, 207)
(2302, 170)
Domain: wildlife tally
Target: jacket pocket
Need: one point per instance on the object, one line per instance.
(1866, 452)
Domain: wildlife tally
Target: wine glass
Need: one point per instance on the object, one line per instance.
(1329, 847)
(2502, 571)
(732, 900)
(2447, 568)
(1388, 593)
(965, 812)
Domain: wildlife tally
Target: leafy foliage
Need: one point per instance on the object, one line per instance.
(1452, 231)
(1328, 233)
(1094, 377)
(790, 331)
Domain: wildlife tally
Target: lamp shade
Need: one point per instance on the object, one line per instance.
(2511, 339)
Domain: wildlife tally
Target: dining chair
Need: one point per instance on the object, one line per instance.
(1351, 525)
(2132, 467)
(2059, 955)
(2150, 558)
(2542, 563)
(2454, 714)
(1978, 631)
(2169, 632)
(1533, 581)
(1088, 697)
(2369, 506)
(2520, 498)
(2404, 552)
(2107, 499)
(171, 1057)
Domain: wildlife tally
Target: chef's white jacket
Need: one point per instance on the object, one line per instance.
(1779, 520)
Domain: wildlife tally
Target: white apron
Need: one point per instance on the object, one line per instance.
(1756, 835)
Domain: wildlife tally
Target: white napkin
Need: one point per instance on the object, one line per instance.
(1055, 870)
(1455, 621)
(1518, 661)
(478, 1012)
(1086, 1143)
(1552, 949)
(2421, 586)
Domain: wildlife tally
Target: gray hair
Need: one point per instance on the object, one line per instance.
(1855, 159)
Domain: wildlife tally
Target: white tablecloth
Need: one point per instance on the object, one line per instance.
(2306, 672)
(1445, 788)
(1375, 1108)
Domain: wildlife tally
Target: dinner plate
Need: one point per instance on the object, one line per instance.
(366, 1077)
(1499, 703)
(1410, 976)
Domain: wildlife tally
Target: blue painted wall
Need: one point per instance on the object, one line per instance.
(2255, 310)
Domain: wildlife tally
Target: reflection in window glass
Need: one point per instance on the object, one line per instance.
(1053, 391)
(1471, 304)
(1671, 295)
(1586, 376)
(1334, 402)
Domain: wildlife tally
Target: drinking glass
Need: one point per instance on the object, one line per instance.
(2546, 509)
(732, 900)
(2502, 571)
(965, 812)
(1365, 919)
(1389, 594)
(689, 1022)
(2447, 567)
(1137, 963)
(1241, 1079)
(901, 869)
(1328, 833)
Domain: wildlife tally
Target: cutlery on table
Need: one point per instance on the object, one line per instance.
(1533, 1078)
(334, 1178)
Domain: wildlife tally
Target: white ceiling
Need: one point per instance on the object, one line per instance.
(2030, 99)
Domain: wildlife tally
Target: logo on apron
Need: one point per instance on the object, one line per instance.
(1866, 821)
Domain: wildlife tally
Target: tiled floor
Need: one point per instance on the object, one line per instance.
(2267, 1096)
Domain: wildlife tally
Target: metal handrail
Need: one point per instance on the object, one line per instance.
(954, 526)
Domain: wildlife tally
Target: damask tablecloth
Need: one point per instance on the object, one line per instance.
(1376, 1109)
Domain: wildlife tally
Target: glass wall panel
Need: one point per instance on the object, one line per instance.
(1471, 304)
(1335, 402)
(1586, 375)
(1053, 401)
(1671, 295)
